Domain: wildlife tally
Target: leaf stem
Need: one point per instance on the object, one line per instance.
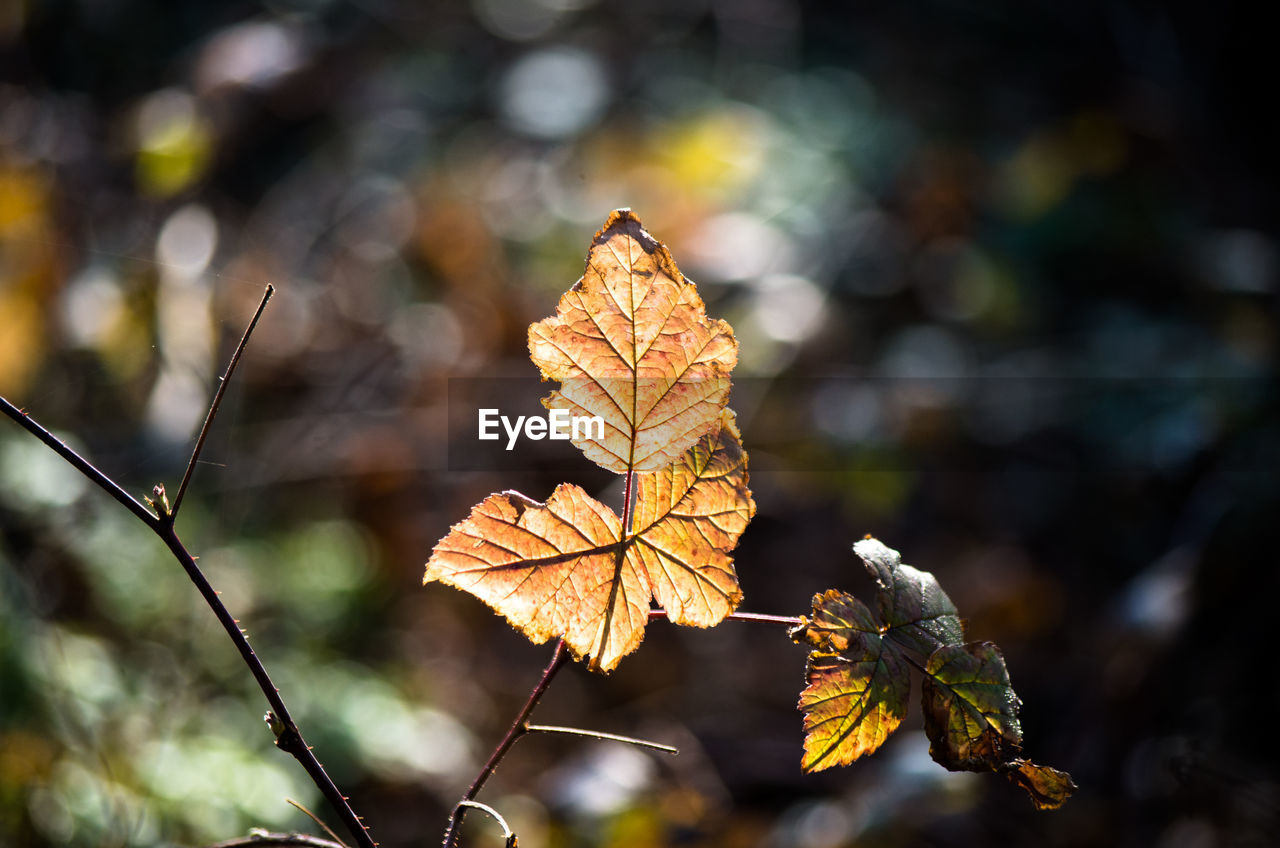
(751, 617)
(628, 497)
(518, 728)
(596, 734)
(217, 402)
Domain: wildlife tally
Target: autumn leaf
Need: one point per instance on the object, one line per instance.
(563, 568)
(970, 710)
(971, 719)
(690, 516)
(553, 569)
(1049, 788)
(631, 343)
(857, 683)
(918, 613)
(858, 680)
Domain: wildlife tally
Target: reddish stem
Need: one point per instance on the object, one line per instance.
(518, 728)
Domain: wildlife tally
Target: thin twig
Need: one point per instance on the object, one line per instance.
(752, 617)
(288, 736)
(217, 401)
(596, 734)
(517, 729)
(507, 833)
(263, 838)
(316, 819)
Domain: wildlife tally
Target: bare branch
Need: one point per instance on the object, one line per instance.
(518, 728)
(217, 402)
(78, 462)
(288, 736)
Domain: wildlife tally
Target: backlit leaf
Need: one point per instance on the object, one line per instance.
(970, 710)
(563, 568)
(1048, 787)
(632, 344)
(688, 517)
(858, 680)
(918, 613)
(858, 683)
(971, 719)
(553, 569)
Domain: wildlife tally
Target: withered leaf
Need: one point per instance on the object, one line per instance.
(631, 343)
(553, 569)
(688, 518)
(918, 613)
(858, 680)
(971, 719)
(970, 710)
(857, 683)
(563, 568)
(1049, 788)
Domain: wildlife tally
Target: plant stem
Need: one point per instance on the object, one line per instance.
(518, 728)
(751, 617)
(628, 495)
(596, 734)
(288, 736)
(260, 839)
(217, 401)
(79, 463)
(507, 833)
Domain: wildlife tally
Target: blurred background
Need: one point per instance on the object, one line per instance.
(1005, 281)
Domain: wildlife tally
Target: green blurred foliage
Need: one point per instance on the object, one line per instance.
(1004, 277)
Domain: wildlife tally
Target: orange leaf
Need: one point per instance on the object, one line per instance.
(563, 569)
(858, 683)
(632, 344)
(690, 516)
(552, 569)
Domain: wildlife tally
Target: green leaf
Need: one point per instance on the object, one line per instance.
(970, 710)
(857, 683)
(919, 615)
(971, 719)
(858, 679)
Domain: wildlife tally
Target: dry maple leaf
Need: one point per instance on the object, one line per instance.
(688, 517)
(632, 344)
(563, 568)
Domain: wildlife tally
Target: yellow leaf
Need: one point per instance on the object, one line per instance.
(563, 568)
(632, 344)
(690, 516)
(857, 683)
(553, 569)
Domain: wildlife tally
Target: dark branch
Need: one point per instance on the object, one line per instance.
(288, 736)
(80, 463)
(217, 401)
(518, 728)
